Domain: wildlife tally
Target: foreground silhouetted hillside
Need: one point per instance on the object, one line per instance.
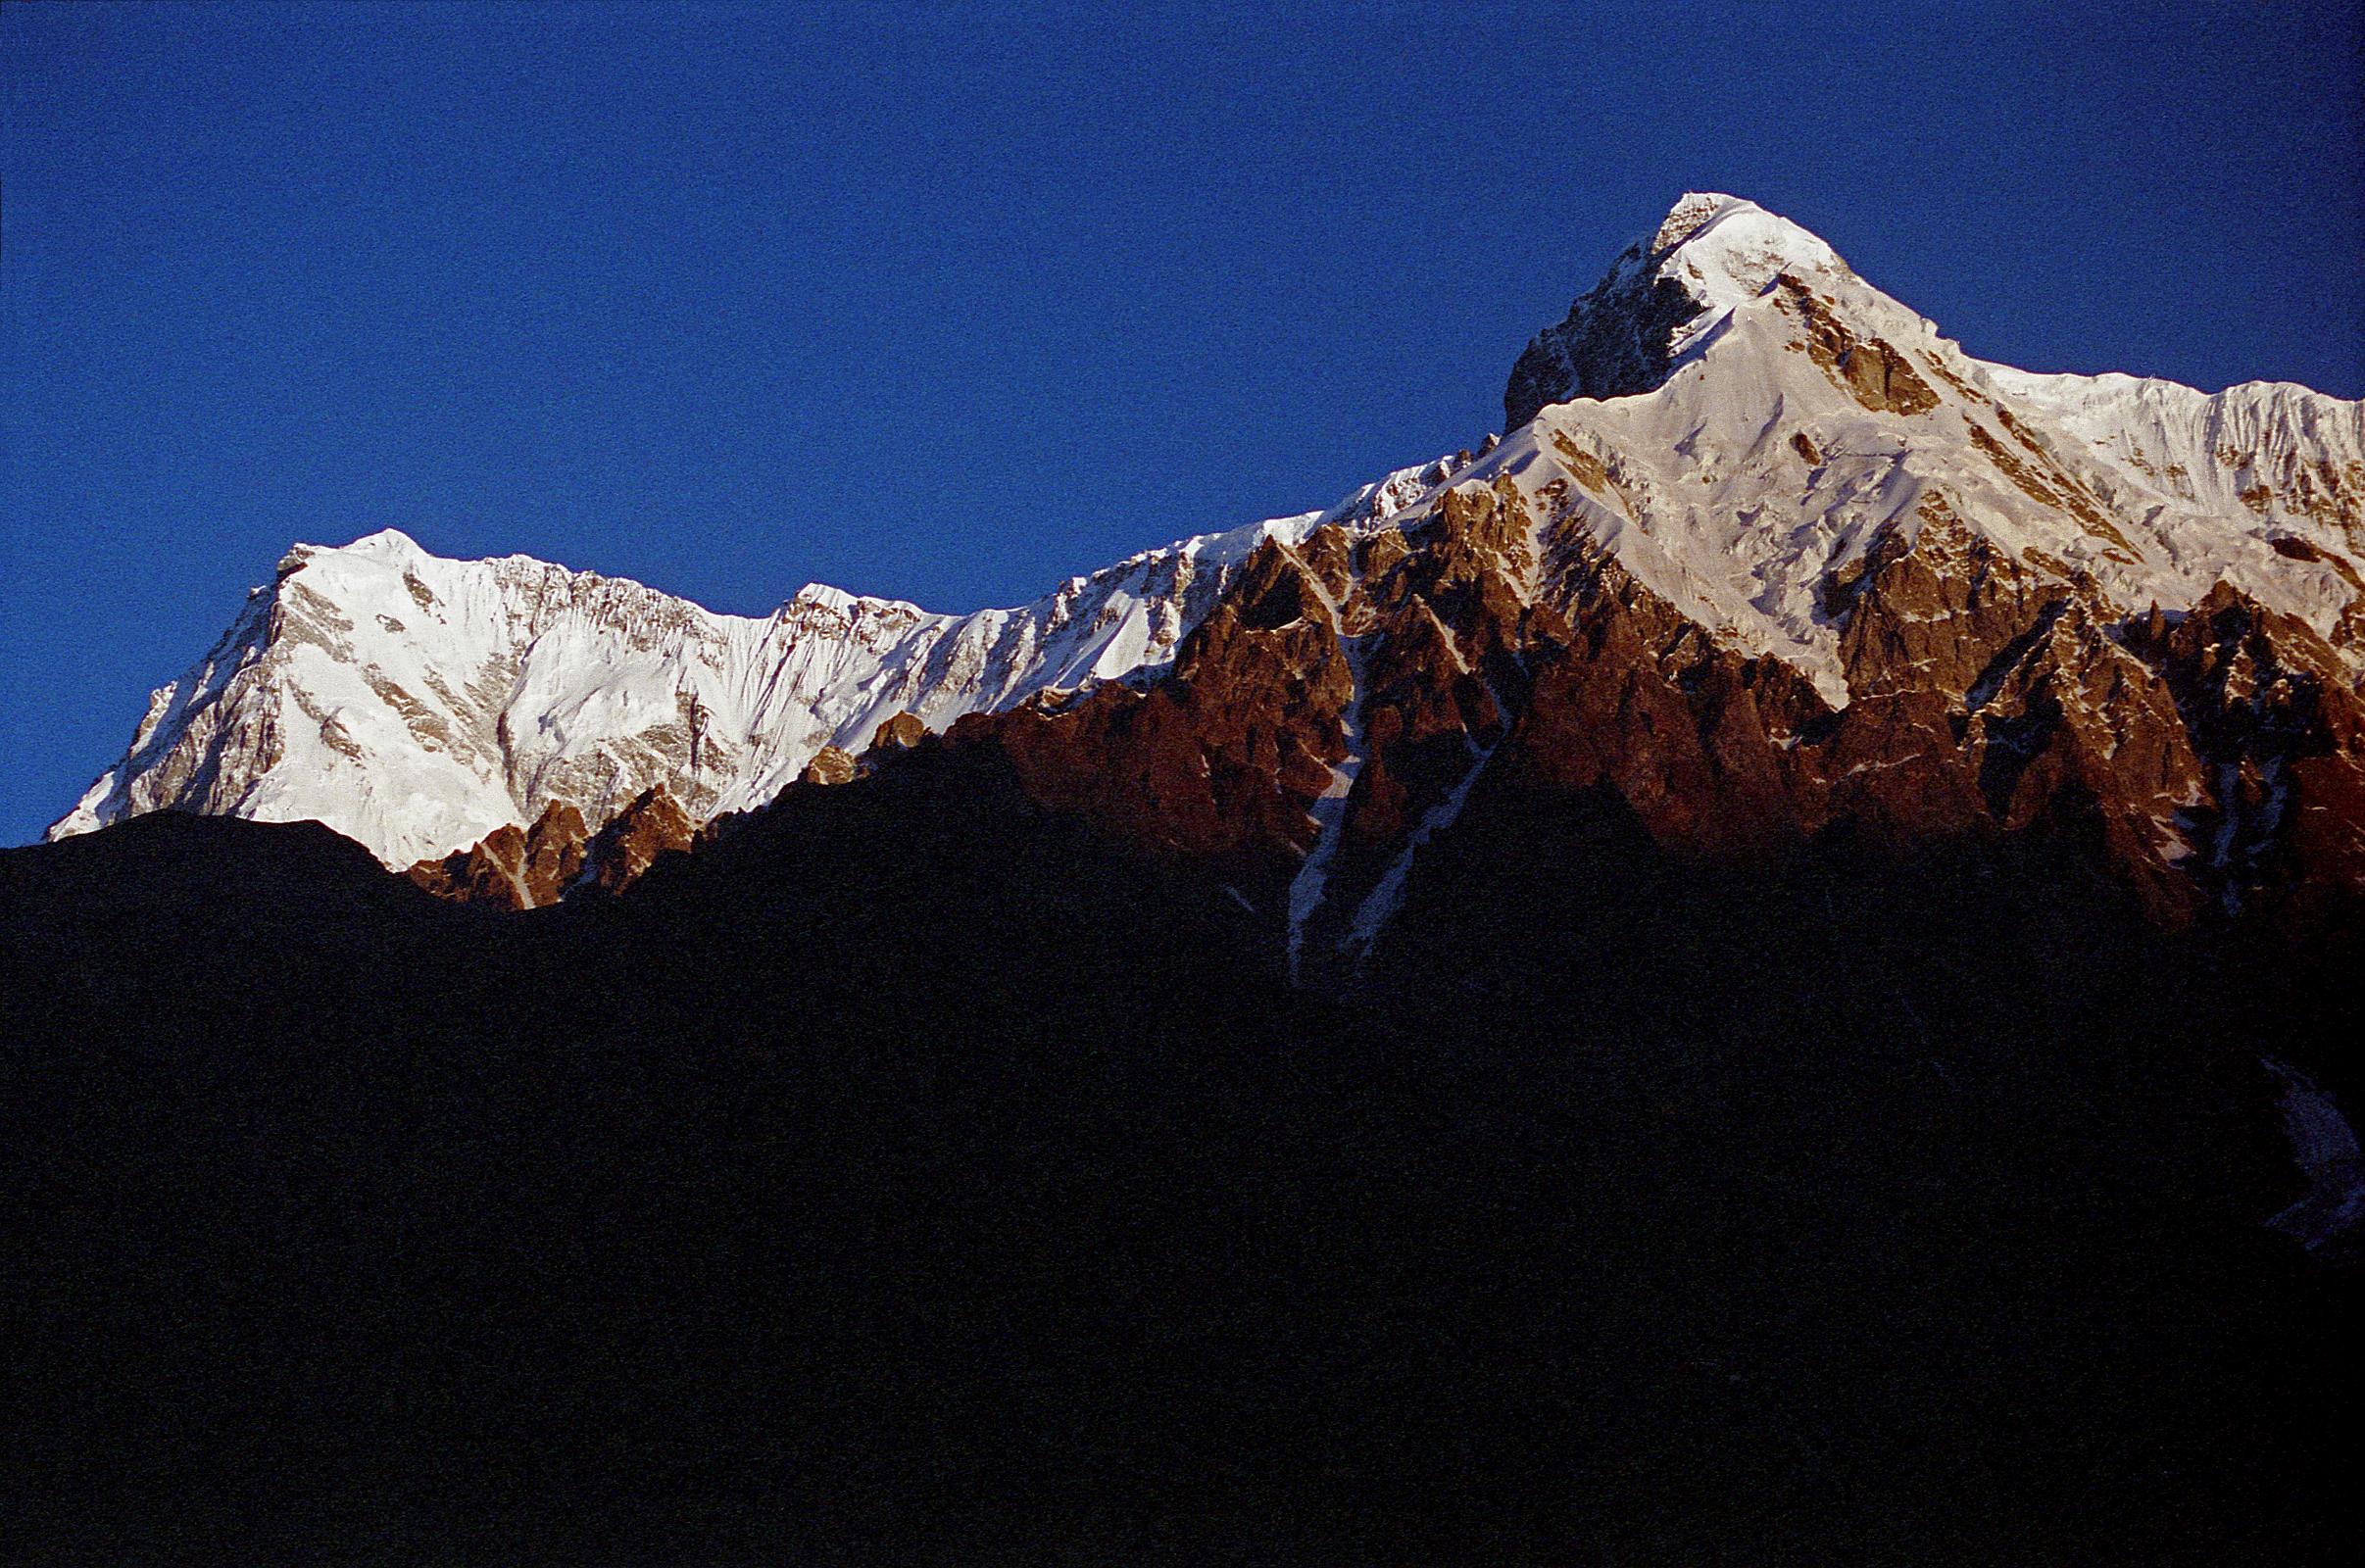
(909, 1177)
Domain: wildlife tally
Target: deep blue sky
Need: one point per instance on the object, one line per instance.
(948, 302)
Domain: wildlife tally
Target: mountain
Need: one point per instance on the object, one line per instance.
(915, 1174)
(1763, 551)
(417, 704)
(1761, 971)
(1787, 564)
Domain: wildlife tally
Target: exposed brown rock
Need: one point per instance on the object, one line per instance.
(513, 869)
(652, 826)
(829, 765)
(1222, 759)
(899, 734)
(2080, 735)
(1605, 714)
(556, 858)
(2280, 731)
(1587, 469)
(1933, 611)
(1892, 769)
(1876, 373)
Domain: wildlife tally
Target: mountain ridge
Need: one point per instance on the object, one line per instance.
(1714, 981)
(1734, 447)
(825, 667)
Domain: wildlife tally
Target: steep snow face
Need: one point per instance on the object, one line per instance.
(1731, 414)
(1737, 419)
(1662, 299)
(2272, 449)
(417, 704)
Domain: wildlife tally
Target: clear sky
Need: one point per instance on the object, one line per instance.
(948, 302)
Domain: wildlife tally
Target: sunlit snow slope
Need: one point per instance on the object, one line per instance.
(417, 704)
(1731, 415)
(1738, 417)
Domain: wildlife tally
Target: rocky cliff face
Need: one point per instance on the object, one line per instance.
(559, 858)
(420, 704)
(1761, 969)
(1764, 559)
(1785, 566)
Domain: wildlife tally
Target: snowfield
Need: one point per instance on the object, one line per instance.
(1732, 414)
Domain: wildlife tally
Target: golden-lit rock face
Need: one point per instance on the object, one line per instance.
(556, 858)
(513, 869)
(829, 765)
(2213, 760)
(1764, 559)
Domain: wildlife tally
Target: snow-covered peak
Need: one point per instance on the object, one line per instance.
(1737, 418)
(415, 704)
(1731, 415)
(1666, 294)
(390, 546)
(1725, 250)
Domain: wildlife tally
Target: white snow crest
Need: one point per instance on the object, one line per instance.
(414, 703)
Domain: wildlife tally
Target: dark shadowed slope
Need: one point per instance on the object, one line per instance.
(913, 1176)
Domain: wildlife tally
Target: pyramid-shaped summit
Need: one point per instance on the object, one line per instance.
(1760, 551)
(1710, 253)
